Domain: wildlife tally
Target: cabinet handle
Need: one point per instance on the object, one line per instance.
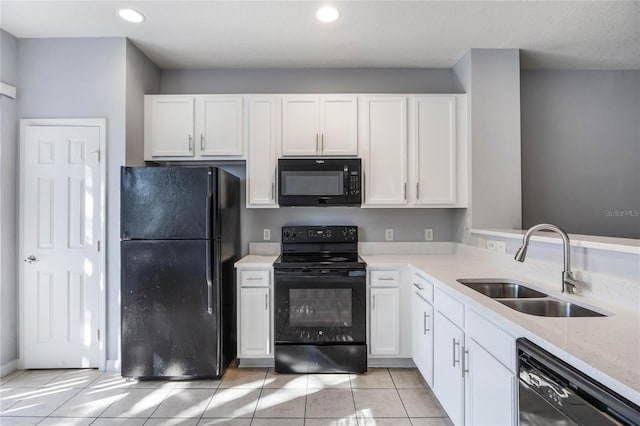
(266, 302)
(418, 286)
(427, 316)
(417, 190)
(386, 279)
(273, 186)
(321, 142)
(465, 361)
(201, 142)
(254, 278)
(317, 150)
(190, 143)
(405, 191)
(455, 344)
(373, 305)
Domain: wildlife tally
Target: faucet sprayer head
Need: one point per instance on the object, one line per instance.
(521, 253)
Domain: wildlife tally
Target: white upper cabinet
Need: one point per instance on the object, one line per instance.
(193, 127)
(319, 125)
(219, 125)
(262, 153)
(384, 150)
(168, 126)
(435, 149)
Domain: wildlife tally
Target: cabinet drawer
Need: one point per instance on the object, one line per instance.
(385, 278)
(253, 278)
(423, 287)
(450, 307)
(495, 340)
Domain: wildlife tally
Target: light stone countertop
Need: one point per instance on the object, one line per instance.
(256, 261)
(605, 348)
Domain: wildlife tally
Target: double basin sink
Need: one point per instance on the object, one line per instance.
(526, 300)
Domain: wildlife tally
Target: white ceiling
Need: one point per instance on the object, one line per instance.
(283, 34)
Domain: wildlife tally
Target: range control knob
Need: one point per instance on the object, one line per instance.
(288, 234)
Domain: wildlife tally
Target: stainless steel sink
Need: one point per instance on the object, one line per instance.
(500, 288)
(523, 299)
(549, 308)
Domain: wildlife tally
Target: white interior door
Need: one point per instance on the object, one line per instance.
(61, 230)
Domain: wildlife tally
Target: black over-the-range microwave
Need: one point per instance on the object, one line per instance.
(319, 182)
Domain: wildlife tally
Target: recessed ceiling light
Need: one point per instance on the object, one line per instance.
(327, 14)
(131, 15)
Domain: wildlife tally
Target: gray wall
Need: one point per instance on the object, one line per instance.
(79, 78)
(491, 78)
(581, 151)
(9, 202)
(329, 80)
(408, 224)
(143, 78)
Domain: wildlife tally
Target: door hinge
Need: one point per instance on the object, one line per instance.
(98, 245)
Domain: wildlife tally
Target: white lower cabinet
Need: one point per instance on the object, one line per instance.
(422, 336)
(255, 337)
(447, 366)
(385, 321)
(490, 388)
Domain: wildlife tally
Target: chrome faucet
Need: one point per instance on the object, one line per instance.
(568, 282)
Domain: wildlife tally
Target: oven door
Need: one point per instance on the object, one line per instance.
(320, 306)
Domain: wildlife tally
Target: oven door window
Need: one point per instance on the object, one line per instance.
(312, 307)
(320, 309)
(312, 182)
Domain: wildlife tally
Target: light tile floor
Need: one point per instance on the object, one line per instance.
(244, 396)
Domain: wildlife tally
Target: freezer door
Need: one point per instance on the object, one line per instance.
(170, 309)
(167, 202)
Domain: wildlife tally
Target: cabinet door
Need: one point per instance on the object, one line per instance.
(385, 321)
(490, 389)
(435, 136)
(422, 337)
(339, 125)
(384, 150)
(169, 126)
(219, 124)
(262, 147)
(255, 336)
(300, 131)
(447, 367)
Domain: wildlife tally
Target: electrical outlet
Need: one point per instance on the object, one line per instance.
(388, 234)
(428, 234)
(266, 234)
(491, 245)
(501, 246)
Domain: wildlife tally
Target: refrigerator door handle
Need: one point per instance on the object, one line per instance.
(209, 280)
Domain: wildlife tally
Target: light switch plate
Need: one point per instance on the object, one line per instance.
(388, 234)
(501, 246)
(266, 234)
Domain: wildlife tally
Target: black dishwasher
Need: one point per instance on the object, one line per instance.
(551, 392)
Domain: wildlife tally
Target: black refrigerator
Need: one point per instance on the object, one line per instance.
(180, 237)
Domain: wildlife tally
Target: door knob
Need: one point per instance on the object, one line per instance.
(31, 259)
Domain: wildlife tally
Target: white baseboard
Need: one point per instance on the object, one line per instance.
(255, 362)
(391, 362)
(113, 365)
(8, 368)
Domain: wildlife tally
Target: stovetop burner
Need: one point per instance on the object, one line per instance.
(320, 247)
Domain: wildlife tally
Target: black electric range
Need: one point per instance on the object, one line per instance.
(320, 301)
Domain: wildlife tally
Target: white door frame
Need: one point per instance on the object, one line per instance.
(101, 123)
